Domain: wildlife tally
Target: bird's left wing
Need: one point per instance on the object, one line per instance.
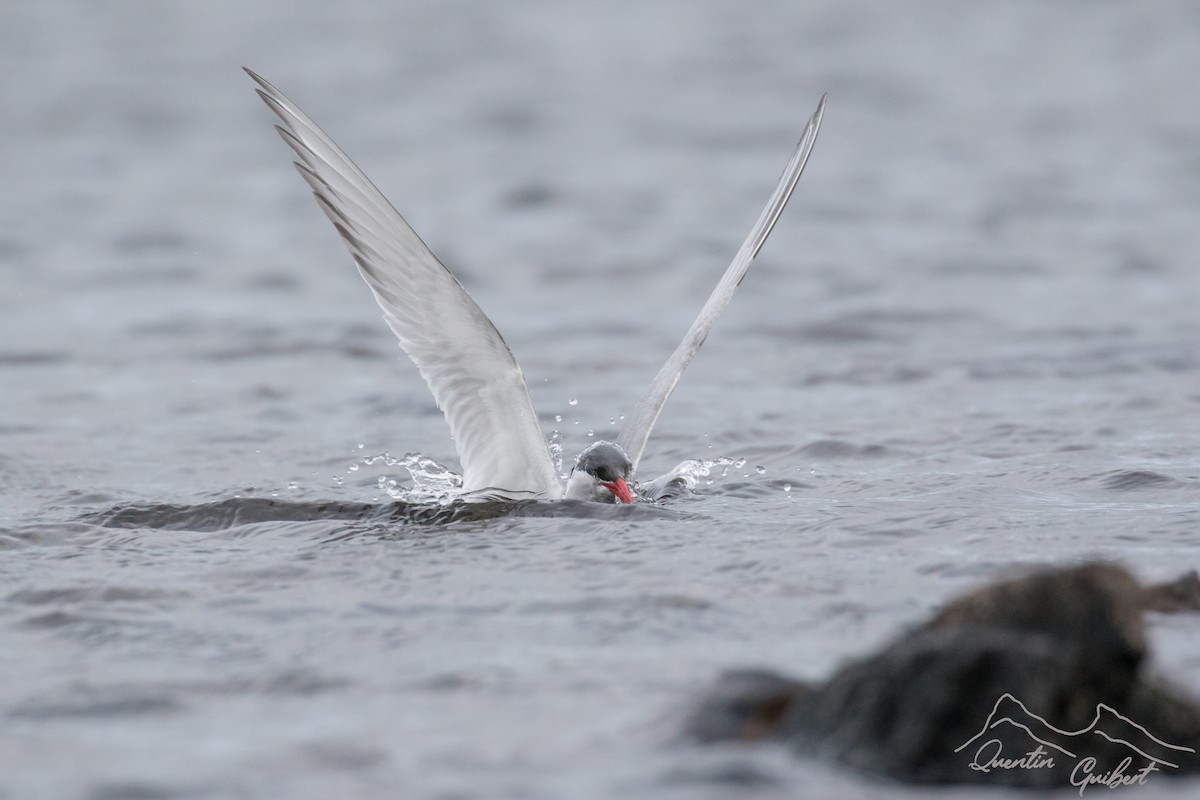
(467, 365)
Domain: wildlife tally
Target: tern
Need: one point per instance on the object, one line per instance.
(470, 370)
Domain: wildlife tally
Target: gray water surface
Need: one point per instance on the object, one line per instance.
(970, 345)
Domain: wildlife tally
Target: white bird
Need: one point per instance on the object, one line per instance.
(466, 363)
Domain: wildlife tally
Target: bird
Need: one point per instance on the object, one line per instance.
(470, 370)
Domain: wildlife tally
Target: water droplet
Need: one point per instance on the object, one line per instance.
(353, 467)
(741, 462)
(612, 420)
(760, 470)
(558, 417)
(574, 401)
(337, 480)
(293, 486)
(361, 445)
(591, 433)
(787, 487)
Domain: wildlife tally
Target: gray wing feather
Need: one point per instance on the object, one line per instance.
(469, 368)
(641, 421)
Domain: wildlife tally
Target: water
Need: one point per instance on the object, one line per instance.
(971, 344)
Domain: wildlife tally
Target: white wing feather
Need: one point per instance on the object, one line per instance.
(641, 421)
(469, 369)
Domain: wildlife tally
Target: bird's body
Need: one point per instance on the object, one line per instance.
(464, 360)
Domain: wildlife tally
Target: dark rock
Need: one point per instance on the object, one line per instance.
(746, 704)
(1037, 682)
(1181, 594)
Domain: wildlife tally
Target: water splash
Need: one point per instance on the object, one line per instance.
(687, 476)
(554, 443)
(428, 481)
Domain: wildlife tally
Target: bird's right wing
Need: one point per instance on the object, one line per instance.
(469, 369)
(641, 421)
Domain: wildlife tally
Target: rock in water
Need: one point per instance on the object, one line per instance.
(1039, 682)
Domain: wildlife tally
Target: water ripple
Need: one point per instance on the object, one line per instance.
(243, 511)
(1130, 479)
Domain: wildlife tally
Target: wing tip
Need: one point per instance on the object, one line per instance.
(814, 122)
(820, 112)
(260, 80)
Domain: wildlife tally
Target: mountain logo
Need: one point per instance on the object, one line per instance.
(1012, 728)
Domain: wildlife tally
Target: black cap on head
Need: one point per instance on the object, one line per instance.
(605, 461)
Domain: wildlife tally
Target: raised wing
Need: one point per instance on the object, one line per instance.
(469, 369)
(641, 421)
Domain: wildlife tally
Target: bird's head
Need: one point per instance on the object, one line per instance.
(603, 472)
